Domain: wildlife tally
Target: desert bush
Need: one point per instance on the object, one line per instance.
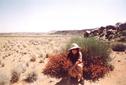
(95, 69)
(31, 77)
(121, 39)
(95, 58)
(123, 33)
(57, 66)
(14, 77)
(91, 47)
(121, 36)
(118, 47)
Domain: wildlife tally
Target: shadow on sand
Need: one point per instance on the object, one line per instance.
(68, 81)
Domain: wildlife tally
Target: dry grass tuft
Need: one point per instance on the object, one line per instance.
(31, 77)
(14, 77)
(41, 61)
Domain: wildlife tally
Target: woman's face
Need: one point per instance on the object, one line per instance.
(74, 51)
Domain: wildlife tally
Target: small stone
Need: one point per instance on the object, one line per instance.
(33, 59)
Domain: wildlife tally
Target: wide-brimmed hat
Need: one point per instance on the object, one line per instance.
(74, 46)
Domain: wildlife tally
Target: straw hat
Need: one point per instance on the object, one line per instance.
(74, 46)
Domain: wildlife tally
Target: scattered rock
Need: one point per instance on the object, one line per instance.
(47, 55)
(33, 59)
(40, 56)
(2, 64)
(119, 61)
(41, 61)
(27, 64)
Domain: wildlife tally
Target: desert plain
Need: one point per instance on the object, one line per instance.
(27, 55)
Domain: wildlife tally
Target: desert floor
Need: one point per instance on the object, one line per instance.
(26, 55)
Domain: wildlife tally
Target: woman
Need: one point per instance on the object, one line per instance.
(75, 56)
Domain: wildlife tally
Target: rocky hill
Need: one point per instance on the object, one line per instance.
(110, 32)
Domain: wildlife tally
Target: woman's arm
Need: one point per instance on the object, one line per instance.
(79, 59)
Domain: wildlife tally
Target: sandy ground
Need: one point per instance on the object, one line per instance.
(29, 54)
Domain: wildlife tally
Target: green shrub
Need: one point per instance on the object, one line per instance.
(91, 47)
(119, 47)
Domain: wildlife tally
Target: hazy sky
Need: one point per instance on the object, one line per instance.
(48, 15)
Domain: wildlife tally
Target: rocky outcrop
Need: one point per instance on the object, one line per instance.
(110, 32)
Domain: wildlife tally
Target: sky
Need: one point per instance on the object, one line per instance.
(51, 15)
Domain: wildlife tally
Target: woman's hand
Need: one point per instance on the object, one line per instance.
(78, 62)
